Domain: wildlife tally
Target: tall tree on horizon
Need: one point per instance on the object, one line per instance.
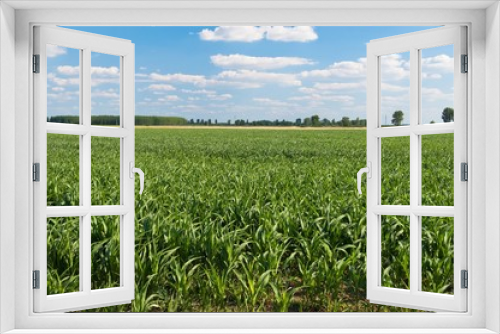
(448, 115)
(346, 121)
(315, 120)
(398, 117)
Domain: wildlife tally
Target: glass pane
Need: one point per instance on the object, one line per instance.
(105, 171)
(437, 169)
(395, 90)
(437, 66)
(105, 92)
(105, 252)
(395, 171)
(63, 84)
(437, 254)
(63, 249)
(63, 170)
(395, 251)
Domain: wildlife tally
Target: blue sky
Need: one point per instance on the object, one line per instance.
(251, 73)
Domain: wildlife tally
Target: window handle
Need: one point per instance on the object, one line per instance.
(141, 175)
(368, 171)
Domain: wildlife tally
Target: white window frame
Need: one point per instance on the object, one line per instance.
(85, 43)
(483, 248)
(413, 43)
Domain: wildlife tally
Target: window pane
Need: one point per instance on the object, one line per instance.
(105, 92)
(63, 84)
(105, 252)
(63, 170)
(105, 171)
(63, 250)
(437, 254)
(437, 169)
(395, 169)
(395, 251)
(437, 66)
(395, 90)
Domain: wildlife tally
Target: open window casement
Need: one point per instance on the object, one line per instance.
(403, 216)
(71, 285)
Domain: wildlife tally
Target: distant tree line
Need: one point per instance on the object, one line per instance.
(115, 120)
(160, 120)
(313, 121)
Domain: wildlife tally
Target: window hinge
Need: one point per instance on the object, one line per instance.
(464, 172)
(465, 64)
(464, 279)
(36, 172)
(36, 63)
(36, 279)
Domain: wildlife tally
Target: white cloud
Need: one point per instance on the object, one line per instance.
(238, 61)
(68, 70)
(233, 34)
(101, 81)
(394, 67)
(108, 94)
(222, 97)
(201, 81)
(315, 103)
(330, 87)
(63, 81)
(339, 85)
(58, 89)
(360, 108)
(179, 77)
(343, 69)
(426, 75)
(199, 91)
(442, 63)
(318, 97)
(100, 75)
(433, 94)
(395, 100)
(249, 34)
(99, 71)
(64, 96)
(111, 71)
(235, 79)
(284, 79)
(291, 34)
(188, 107)
(54, 51)
(394, 88)
(273, 103)
(162, 87)
(235, 84)
(169, 98)
(308, 90)
(210, 94)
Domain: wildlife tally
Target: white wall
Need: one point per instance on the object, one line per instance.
(492, 163)
(7, 160)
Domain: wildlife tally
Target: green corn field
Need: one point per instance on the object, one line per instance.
(235, 220)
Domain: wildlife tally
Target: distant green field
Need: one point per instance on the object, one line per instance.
(257, 220)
